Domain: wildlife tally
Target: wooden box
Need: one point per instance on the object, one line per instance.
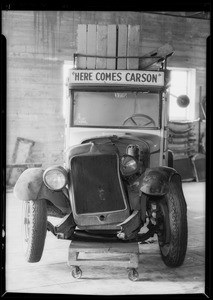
(107, 47)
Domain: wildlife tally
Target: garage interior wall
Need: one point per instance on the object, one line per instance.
(38, 43)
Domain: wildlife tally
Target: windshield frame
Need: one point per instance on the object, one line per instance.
(119, 89)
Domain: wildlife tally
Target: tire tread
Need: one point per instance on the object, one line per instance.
(38, 230)
(178, 226)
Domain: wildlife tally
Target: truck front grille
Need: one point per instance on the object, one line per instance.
(95, 184)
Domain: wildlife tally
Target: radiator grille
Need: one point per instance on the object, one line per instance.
(96, 184)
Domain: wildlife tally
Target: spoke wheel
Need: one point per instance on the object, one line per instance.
(34, 229)
(164, 233)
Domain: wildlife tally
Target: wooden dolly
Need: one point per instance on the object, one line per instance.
(128, 249)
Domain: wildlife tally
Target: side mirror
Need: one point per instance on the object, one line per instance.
(183, 100)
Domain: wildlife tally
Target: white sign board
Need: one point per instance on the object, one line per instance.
(117, 77)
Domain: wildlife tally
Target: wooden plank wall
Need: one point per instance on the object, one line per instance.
(34, 108)
(39, 42)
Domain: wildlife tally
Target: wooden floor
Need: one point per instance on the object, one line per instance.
(52, 274)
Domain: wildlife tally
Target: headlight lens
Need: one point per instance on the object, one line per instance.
(55, 178)
(128, 165)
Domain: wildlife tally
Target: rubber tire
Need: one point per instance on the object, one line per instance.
(133, 274)
(177, 218)
(77, 273)
(37, 230)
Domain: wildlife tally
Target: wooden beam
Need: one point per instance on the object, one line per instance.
(155, 54)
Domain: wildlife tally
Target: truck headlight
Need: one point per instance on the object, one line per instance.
(55, 178)
(128, 165)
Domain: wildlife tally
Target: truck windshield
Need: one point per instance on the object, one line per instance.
(111, 109)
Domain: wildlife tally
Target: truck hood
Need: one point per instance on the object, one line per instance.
(77, 135)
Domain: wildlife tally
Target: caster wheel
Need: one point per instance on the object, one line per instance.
(133, 275)
(76, 273)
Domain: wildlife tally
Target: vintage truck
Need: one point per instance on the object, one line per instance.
(118, 174)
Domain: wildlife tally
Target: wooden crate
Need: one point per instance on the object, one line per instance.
(107, 46)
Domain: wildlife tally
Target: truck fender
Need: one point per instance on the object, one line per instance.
(156, 181)
(30, 186)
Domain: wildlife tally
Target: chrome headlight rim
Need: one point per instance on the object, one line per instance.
(56, 169)
(122, 167)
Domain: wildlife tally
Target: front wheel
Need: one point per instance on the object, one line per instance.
(34, 229)
(172, 224)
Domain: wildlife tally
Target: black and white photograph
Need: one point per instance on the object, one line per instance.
(105, 172)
